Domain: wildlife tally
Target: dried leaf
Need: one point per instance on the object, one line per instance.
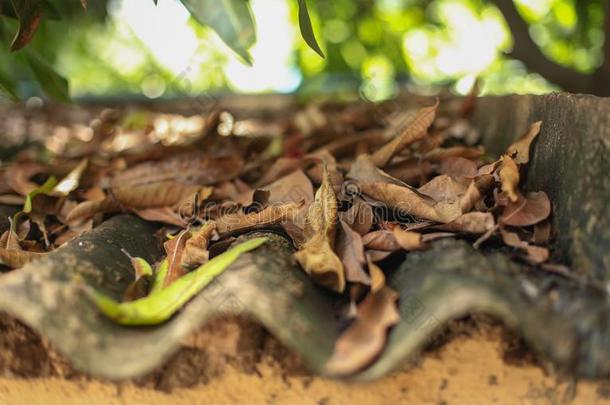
(316, 255)
(443, 188)
(271, 215)
(351, 251)
(376, 274)
(153, 195)
(362, 342)
(528, 210)
(476, 192)
(359, 216)
(166, 215)
(520, 149)
(414, 131)
(174, 249)
(471, 222)
(196, 250)
(509, 176)
(396, 239)
(534, 253)
(411, 202)
(17, 177)
(280, 168)
(458, 167)
(71, 181)
(87, 209)
(17, 258)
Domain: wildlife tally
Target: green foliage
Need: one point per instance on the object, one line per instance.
(231, 19)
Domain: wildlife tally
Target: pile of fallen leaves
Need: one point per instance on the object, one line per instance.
(352, 186)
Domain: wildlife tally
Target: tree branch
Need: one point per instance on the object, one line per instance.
(528, 52)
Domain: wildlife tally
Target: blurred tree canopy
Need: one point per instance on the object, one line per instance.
(155, 48)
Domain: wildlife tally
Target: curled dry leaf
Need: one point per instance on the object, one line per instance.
(528, 210)
(196, 250)
(359, 216)
(412, 132)
(362, 342)
(350, 250)
(174, 249)
(509, 176)
(412, 202)
(316, 254)
(536, 254)
(273, 214)
(520, 149)
(476, 191)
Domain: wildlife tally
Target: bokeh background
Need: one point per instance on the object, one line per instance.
(132, 48)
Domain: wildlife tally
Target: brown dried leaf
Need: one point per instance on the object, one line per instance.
(412, 202)
(536, 254)
(154, 195)
(166, 215)
(15, 258)
(362, 342)
(458, 167)
(359, 216)
(271, 215)
(443, 188)
(476, 192)
(89, 208)
(396, 239)
(414, 131)
(470, 222)
(280, 168)
(174, 249)
(351, 251)
(316, 255)
(528, 210)
(509, 176)
(377, 275)
(17, 177)
(440, 154)
(520, 149)
(295, 187)
(364, 170)
(189, 169)
(411, 171)
(196, 250)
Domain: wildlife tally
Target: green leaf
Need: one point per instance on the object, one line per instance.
(44, 189)
(53, 84)
(307, 29)
(8, 87)
(162, 304)
(231, 19)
